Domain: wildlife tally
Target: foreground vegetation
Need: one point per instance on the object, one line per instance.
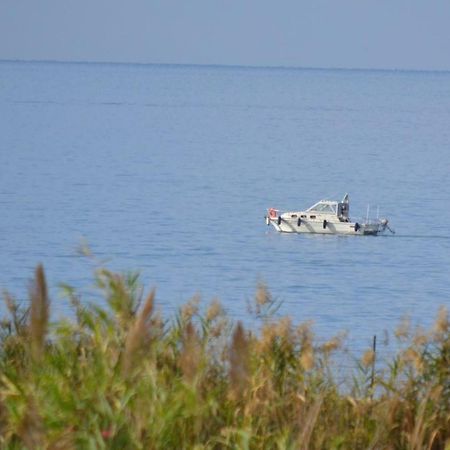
(120, 377)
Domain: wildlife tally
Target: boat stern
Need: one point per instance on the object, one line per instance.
(376, 227)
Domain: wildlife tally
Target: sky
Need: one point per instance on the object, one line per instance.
(381, 34)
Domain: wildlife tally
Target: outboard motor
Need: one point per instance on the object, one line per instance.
(384, 224)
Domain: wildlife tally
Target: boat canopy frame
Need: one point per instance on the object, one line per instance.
(324, 206)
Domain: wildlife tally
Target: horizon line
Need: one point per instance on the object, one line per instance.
(236, 66)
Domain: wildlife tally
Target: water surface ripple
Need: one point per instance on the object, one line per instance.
(169, 170)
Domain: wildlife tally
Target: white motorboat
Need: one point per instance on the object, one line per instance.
(325, 217)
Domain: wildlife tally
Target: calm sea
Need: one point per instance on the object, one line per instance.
(169, 170)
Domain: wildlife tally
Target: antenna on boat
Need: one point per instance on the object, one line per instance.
(378, 212)
(367, 215)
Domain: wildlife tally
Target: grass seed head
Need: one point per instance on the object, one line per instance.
(306, 338)
(239, 362)
(404, 329)
(219, 328)
(305, 333)
(442, 324)
(262, 295)
(190, 309)
(139, 334)
(190, 357)
(10, 302)
(333, 344)
(411, 356)
(307, 358)
(268, 336)
(283, 328)
(368, 358)
(420, 338)
(214, 311)
(39, 312)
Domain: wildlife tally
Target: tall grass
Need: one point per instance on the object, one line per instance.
(121, 377)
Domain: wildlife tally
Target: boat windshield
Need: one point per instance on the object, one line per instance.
(324, 208)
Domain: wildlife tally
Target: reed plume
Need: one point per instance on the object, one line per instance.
(239, 363)
(190, 309)
(190, 356)
(305, 335)
(214, 311)
(262, 295)
(139, 334)
(39, 313)
(368, 358)
(442, 324)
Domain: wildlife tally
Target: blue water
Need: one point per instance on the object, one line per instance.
(170, 169)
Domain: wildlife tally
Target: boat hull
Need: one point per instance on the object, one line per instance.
(318, 227)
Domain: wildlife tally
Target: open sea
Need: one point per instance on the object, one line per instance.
(169, 170)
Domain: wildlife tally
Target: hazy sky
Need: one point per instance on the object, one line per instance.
(393, 34)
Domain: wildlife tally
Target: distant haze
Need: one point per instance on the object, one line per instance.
(391, 34)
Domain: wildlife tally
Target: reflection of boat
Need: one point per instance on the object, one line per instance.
(325, 217)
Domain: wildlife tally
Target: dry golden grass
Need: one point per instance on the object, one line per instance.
(122, 378)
